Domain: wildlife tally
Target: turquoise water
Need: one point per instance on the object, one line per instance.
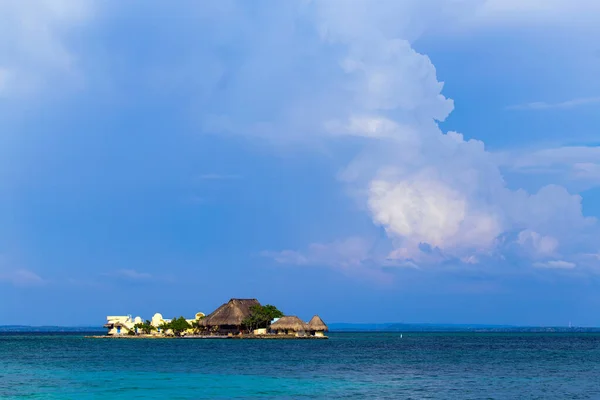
(349, 365)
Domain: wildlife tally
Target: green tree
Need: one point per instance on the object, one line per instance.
(179, 325)
(198, 326)
(145, 327)
(164, 327)
(261, 317)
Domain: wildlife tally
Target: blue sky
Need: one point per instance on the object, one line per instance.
(164, 159)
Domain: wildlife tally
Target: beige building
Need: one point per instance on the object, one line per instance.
(118, 325)
(195, 323)
(157, 322)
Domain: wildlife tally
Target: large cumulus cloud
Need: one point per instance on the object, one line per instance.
(427, 188)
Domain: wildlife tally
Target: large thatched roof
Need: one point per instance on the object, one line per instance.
(290, 323)
(231, 313)
(317, 324)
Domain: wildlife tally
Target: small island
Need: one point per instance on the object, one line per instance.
(238, 318)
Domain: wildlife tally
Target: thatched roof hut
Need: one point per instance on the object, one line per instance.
(317, 324)
(291, 323)
(231, 313)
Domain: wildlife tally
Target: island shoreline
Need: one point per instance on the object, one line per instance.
(213, 337)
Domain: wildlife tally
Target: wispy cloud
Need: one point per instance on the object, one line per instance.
(346, 253)
(555, 264)
(355, 257)
(129, 274)
(550, 157)
(21, 277)
(577, 166)
(542, 105)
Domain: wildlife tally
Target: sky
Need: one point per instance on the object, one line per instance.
(424, 161)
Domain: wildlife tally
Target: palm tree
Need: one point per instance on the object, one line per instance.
(198, 325)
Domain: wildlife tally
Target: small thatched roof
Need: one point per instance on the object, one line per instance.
(317, 324)
(290, 323)
(231, 313)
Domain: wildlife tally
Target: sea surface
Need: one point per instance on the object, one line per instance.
(348, 365)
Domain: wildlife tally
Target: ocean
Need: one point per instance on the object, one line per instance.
(348, 365)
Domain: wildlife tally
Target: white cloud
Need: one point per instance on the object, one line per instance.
(555, 264)
(33, 49)
(348, 253)
(577, 166)
(20, 277)
(423, 209)
(541, 105)
(449, 194)
(550, 158)
(372, 127)
(289, 257)
(378, 84)
(536, 243)
(586, 171)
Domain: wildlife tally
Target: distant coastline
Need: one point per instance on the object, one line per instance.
(49, 329)
(448, 328)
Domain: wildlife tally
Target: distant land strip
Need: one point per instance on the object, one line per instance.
(403, 327)
(50, 329)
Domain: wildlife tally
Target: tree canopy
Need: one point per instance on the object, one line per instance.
(179, 325)
(145, 327)
(198, 326)
(261, 316)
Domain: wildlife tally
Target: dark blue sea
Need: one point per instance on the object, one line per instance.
(348, 365)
